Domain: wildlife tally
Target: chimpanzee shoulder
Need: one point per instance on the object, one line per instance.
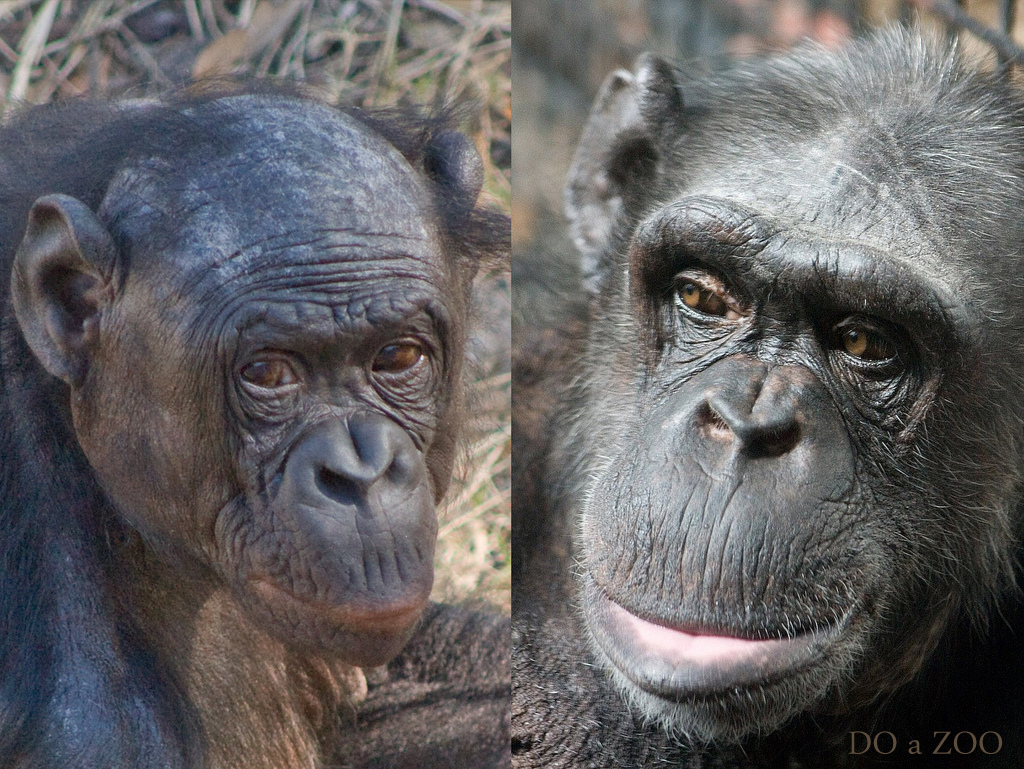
(779, 500)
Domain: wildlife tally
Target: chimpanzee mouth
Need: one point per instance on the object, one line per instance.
(678, 664)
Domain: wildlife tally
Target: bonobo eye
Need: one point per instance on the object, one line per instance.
(269, 372)
(706, 294)
(862, 342)
(398, 357)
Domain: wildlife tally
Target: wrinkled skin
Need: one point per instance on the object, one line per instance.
(260, 334)
(788, 461)
(334, 461)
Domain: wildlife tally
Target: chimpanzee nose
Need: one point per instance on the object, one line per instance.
(761, 416)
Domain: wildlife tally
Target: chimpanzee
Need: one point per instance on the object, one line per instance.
(780, 508)
(231, 361)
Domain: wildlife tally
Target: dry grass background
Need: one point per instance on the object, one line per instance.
(357, 52)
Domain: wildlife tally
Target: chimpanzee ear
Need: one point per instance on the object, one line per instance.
(452, 161)
(60, 282)
(620, 155)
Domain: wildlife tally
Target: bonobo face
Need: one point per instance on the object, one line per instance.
(793, 444)
(272, 385)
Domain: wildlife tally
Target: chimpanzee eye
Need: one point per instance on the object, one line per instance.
(269, 373)
(708, 296)
(397, 357)
(863, 343)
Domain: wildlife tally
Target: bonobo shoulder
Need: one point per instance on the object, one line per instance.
(233, 387)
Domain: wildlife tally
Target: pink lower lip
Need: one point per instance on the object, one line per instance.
(678, 646)
(671, 662)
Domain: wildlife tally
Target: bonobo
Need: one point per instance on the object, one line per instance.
(786, 467)
(231, 361)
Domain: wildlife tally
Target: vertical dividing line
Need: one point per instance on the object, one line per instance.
(907, 12)
(1007, 18)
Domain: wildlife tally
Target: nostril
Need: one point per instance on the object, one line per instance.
(773, 442)
(756, 435)
(403, 469)
(338, 488)
(713, 424)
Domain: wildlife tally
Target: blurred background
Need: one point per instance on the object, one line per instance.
(357, 52)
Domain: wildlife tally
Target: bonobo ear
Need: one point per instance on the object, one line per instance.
(452, 161)
(61, 279)
(620, 156)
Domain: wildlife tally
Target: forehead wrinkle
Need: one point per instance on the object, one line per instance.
(855, 187)
(309, 264)
(313, 319)
(320, 203)
(362, 300)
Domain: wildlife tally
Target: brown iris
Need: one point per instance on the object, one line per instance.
(269, 373)
(708, 298)
(397, 357)
(865, 344)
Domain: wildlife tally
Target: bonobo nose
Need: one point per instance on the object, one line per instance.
(357, 487)
(355, 503)
(351, 455)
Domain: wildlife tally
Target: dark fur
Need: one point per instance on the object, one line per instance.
(944, 650)
(86, 675)
(75, 147)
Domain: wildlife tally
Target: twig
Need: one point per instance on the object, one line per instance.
(956, 16)
(87, 24)
(225, 19)
(245, 13)
(139, 52)
(31, 49)
(7, 52)
(74, 59)
(9, 7)
(481, 54)
(210, 18)
(442, 9)
(421, 65)
(195, 24)
(109, 24)
(486, 468)
(496, 499)
(272, 35)
(296, 48)
(59, 75)
(387, 51)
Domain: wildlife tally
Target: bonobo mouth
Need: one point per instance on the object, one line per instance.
(363, 634)
(393, 617)
(677, 664)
